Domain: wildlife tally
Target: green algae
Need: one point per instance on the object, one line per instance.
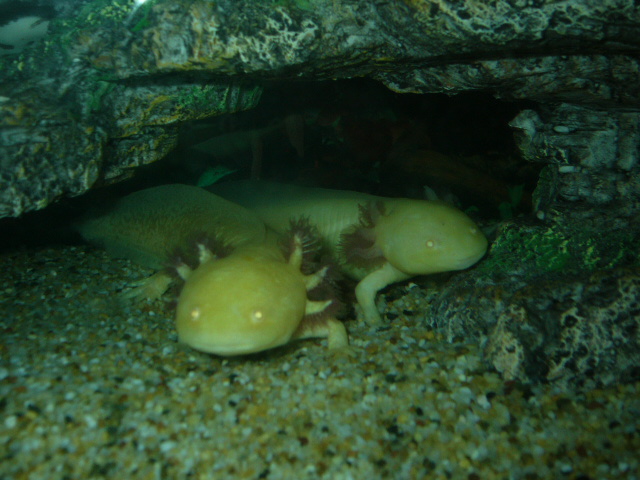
(535, 250)
(216, 99)
(305, 5)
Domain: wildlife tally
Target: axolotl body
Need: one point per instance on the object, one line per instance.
(376, 240)
(246, 293)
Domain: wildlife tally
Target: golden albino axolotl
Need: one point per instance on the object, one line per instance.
(376, 240)
(246, 294)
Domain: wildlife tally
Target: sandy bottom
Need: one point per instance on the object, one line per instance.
(95, 386)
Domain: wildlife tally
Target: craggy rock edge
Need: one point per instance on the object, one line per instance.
(105, 90)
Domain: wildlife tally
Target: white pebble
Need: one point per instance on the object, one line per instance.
(565, 468)
(483, 402)
(167, 446)
(90, 421)
(11, 421)
(567, 169)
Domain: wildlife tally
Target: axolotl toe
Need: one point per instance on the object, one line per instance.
(376, 240)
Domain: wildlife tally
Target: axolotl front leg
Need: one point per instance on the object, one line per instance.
(368, 287)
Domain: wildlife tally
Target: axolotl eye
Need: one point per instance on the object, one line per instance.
(195, 314)
(257, 316)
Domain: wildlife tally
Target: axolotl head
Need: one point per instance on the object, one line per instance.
(244, 303)
(422, 237)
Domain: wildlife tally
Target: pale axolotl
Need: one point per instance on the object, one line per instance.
(247, 293)
(252, 300)
(376, 240)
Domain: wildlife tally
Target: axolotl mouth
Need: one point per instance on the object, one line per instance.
(469, 260)
(229, 349)
(231, 346)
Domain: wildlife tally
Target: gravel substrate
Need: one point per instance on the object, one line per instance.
(94, 386)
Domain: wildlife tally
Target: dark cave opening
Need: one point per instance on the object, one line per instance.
(359, 135)
(347, 134)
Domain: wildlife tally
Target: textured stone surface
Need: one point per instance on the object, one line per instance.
(593, 156)
(599, 80)
(128, 75)
(570, 331)
(552, 304)
(49, 151)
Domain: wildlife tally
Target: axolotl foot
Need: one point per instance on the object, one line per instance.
(330, 328)
(151, 288)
